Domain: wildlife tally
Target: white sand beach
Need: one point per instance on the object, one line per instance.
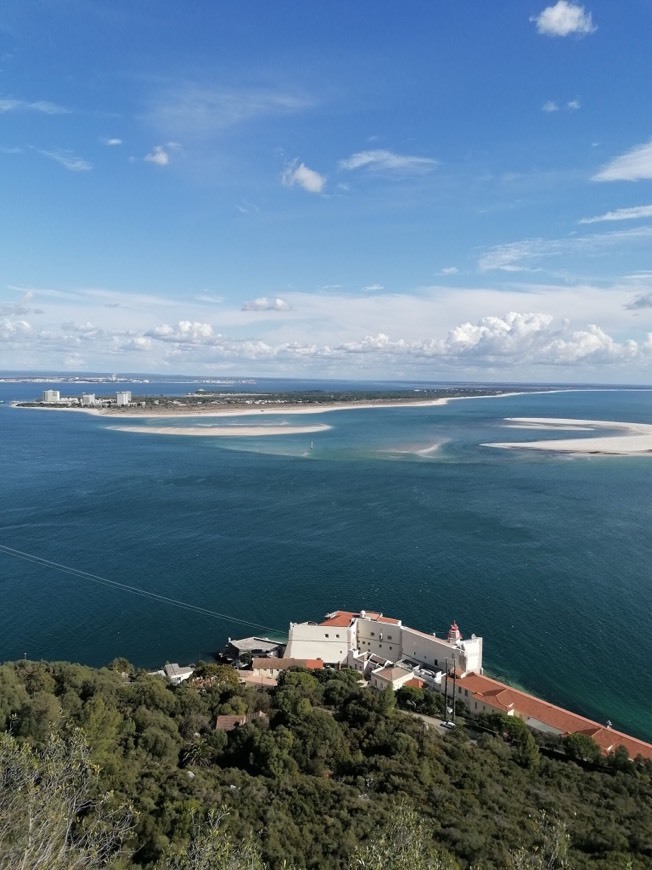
(636, 440)
(222, 431)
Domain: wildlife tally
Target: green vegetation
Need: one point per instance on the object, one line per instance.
(113, 767)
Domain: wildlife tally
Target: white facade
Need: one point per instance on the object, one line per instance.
(88, 399)
(50, 396)
(307, 640)
(123, 398)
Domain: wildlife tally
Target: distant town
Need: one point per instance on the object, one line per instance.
(206, 400)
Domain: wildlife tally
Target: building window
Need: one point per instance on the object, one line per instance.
(475, 707)
(326, 635)
(373, 634)
(466, 692)
(337, 635)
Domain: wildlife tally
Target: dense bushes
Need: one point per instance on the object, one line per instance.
(323, 774)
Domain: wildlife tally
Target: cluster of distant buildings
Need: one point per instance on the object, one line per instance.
(387, 653)
(87, 400)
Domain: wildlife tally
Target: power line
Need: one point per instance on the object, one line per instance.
(94, 578)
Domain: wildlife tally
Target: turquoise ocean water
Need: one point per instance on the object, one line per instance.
(549, 558)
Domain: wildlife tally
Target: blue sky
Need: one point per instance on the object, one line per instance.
(430, 189)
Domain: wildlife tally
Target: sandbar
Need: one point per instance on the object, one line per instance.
(637, 440)
(223, 431)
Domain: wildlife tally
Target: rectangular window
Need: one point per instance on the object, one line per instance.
(325, 635)
(337, 635)
(373, 634)
(466, 692)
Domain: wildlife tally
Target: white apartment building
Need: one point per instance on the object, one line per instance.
(49, 396)
(123, 398)
(88, 400)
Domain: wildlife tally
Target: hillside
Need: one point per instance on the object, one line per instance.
(119, 769)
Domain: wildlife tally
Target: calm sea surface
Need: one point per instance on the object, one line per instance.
(549, 558)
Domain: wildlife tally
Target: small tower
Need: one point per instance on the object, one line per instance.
(454, 634)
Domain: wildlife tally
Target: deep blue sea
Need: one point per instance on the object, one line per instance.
(548, 557)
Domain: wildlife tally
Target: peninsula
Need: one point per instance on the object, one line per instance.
(219, 403)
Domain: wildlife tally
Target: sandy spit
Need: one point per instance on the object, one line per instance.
(222, 431)
(637, 440)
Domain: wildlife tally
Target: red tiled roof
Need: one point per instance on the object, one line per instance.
(340, 619)
(228, 723)
(415, 683)
(378, 617)
(528, 707)
(272, 664)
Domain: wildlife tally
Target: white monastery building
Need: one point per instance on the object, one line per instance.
(346, 638)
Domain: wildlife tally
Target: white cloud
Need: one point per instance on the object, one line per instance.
(551, 106)
(633, 165)
(621, 214)
(515, 339)
(160, 154)
(563, 19)
(373, 288)
(265, 304)
(111, 143)
(306, 178)
(43, 106)
(67, 159)
(449, 270)
(13, 329)
(380, 160)
(184, 332)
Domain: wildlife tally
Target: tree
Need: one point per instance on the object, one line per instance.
(581, 747)
(402, 844)
(212, 848)
(49, 814)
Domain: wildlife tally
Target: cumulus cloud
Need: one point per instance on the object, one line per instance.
(373, 288)
(515, 339)
(380, 160)
(564, 19)
(67, 159)
(265, 304)
(160, 154)
(111, 143)
(449, 270)
(633, 165)
(621, 214)
(573, 105)
(185, 332)
(13, 329)
(43, 106)
(300, 174)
